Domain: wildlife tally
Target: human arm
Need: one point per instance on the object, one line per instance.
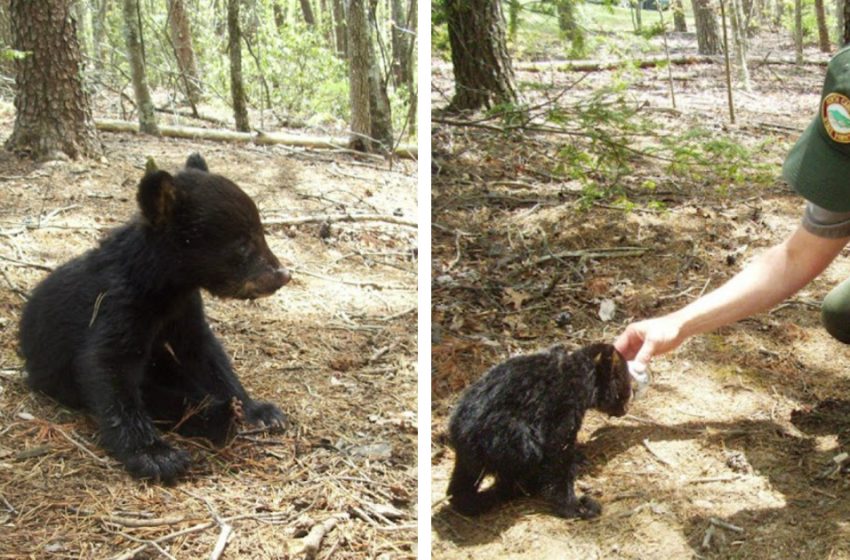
(770, 278)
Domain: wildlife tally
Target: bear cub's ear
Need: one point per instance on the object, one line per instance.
(196, 161)
(157, 197)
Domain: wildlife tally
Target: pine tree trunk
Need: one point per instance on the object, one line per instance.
(679, 23)
(237, 88)
(823, 32)
(739, 36)
(798, 31)
(514, 8)
(411, 64)
(7, 67)
(81, 18)
(309, 19)
(339, 29)
(181, 36)
(327, 23)
(705, 21)
(136, 56)
(399, 39)
(845, 34)
(379, 102)
(358, 54)
(570, 29)
(279, 15)
(482, 67)
(53, 112)
(98, 24)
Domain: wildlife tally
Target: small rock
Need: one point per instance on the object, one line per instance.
(381, 450)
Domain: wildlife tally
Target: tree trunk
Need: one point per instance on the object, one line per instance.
(339, 29)
(570, 29)
(359, 65)
(181, 36)
(411, 58)
(823, 32)
(399, 38)
(279, 15)
(679, 23)
(327, 23)
(636, 9)
(98, 24)
(7, 66)
(514, 8)
(739, 36)
(81, 17)
(237, 88)
(379, 102)
(482, 67)
(705, 21)
(845, 33)
(136, 57)
(309, 19)
(798, 31)
(53, 112)
(839, 22)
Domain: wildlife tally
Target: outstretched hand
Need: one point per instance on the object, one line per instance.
(646, 339)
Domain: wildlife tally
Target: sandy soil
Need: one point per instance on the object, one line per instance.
(729, 453)
(336, 349)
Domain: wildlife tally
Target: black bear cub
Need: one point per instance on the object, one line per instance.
(519, 423)
(121, 331)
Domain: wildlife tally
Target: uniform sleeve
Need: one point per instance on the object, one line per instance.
(825, 223)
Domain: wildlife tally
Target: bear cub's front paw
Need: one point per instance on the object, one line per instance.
(158, 462)
(264, 415)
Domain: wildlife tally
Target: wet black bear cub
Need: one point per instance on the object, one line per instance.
(121, 331)
(519, 423)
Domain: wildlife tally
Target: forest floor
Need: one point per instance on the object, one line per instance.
(335, 349)
(729, 453)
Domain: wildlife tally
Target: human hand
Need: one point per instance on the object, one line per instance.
(646, 339)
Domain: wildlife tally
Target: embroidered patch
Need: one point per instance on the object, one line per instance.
(835, 113)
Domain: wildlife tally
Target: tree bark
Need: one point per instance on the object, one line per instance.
(98, 24)
(309, 19)
(570, 29)
(400, 40)
(845, 35)
(81, 17)
(705, 21)
(798, 31)
(181, 36)
(339, 29)
(739, 36)
(379, 102)
(237, 88)
(482, 67)
(53, 112)
(359, 66)
(823, 32)
(514, 8)
(839, 22)
(136, 56)
(679, 23)
(279, 15)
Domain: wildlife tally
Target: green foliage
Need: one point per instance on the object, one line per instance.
(291, 72)
(706, 157)
(809, 20)
(12, 54)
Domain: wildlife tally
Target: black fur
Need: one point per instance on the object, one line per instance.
(519, 423)
(121, 331)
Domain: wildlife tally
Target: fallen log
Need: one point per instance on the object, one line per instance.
(408, 151)
(649, 62)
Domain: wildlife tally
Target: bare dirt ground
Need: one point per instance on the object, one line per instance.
(335, 349)
(728, 455)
